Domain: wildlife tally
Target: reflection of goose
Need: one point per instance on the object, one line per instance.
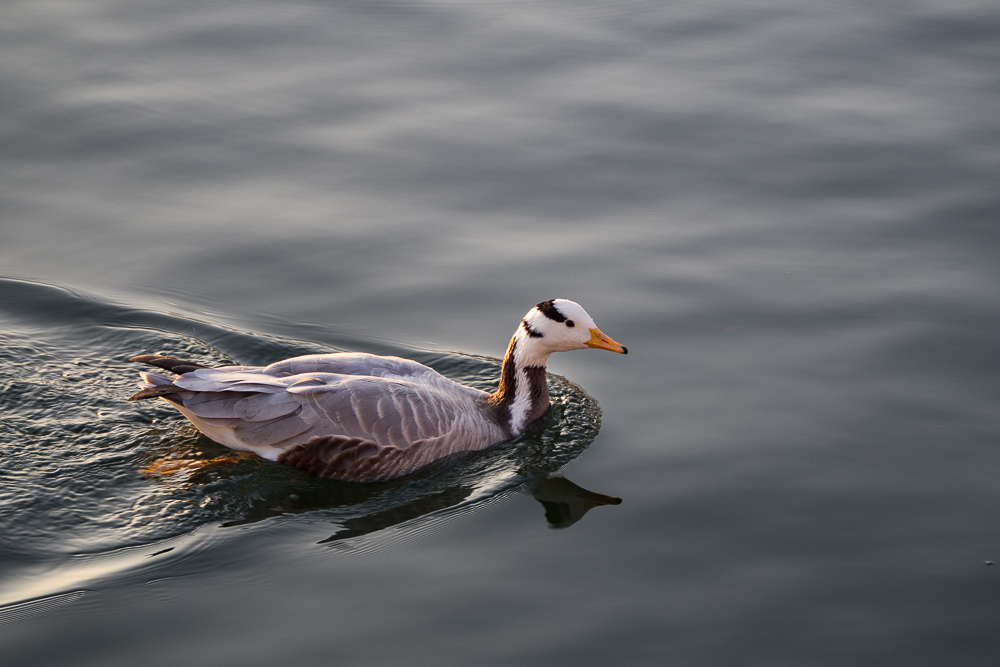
(365, 418)
(565, 503)
(364, 509)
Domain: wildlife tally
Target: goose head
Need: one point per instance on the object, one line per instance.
(556, 325)
(559, 325)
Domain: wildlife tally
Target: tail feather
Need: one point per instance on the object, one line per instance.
(172, 364)
(152, 379)
(157, 386)
(163, 390)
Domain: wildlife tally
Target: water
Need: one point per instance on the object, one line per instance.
(787, 212)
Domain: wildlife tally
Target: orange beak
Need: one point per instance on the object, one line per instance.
(599, 340)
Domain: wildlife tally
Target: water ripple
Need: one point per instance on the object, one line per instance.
(88, 474)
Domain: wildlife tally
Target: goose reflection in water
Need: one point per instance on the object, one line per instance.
(370, 509)
(565, 503)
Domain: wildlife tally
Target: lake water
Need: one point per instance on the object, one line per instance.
(788, 211)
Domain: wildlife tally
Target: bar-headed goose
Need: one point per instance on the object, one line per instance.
(366, 418)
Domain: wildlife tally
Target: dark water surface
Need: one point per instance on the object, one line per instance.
(788, 211)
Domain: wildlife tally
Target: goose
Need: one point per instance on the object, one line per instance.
(359, 417)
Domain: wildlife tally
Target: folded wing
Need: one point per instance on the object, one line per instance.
(346, 416)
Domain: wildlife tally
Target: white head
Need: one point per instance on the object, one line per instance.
(551, 326)
(559, 325)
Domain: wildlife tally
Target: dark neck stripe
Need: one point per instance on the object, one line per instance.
(539, 393)
(550, 311)
(503, 399)
(531, 332)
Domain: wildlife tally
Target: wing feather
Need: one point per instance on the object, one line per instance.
(355, 417)
(200, 384)
(348, 363)
(215, 404)
(265, 407)
(268, 433)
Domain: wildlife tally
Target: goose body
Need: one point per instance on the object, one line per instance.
(366, 418)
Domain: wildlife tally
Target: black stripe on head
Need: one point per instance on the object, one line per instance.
(550, 311)
(531, 332)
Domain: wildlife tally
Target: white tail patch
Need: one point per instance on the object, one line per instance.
(153, 379)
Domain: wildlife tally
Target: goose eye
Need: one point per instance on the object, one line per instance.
(570, 323)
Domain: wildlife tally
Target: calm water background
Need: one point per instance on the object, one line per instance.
(789, 212)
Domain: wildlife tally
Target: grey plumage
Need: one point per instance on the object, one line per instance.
(405, 413)
(362, 417)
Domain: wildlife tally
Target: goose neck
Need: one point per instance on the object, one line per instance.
(522, 396)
